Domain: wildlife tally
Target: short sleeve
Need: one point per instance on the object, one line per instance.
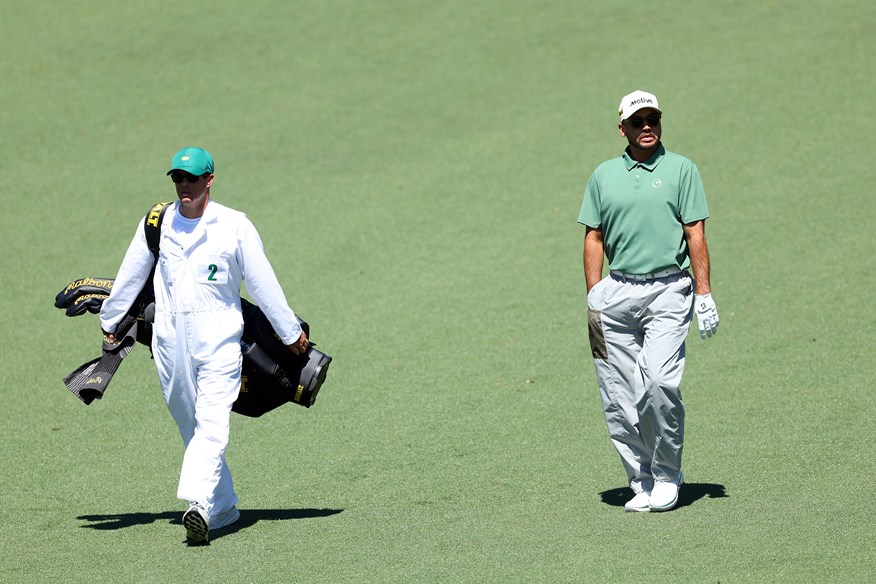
(590, 214)
(692, 204)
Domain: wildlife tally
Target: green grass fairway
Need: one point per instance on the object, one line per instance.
(415, 170)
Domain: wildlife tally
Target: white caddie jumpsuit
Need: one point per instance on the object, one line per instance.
(197, 330)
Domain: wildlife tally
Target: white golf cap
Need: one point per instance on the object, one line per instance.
(635, 101)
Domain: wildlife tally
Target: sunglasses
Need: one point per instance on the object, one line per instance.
(638, 122)
(180, 176)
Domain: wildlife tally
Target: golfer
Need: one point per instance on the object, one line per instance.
(205, 251)
(645, 211)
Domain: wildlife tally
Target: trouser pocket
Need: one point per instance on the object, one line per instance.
(597, 334)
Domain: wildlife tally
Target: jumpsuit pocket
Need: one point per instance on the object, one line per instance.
(597, 334)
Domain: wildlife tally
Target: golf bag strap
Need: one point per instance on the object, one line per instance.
(152, 226)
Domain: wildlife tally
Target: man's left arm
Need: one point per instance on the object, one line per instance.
(706, 311)
(262, 284)
(695, 235)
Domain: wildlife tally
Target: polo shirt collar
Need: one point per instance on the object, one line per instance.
(649, 164)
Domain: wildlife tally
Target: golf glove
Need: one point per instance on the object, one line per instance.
(707, 315)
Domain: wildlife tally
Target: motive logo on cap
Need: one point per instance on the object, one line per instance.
(635, 101)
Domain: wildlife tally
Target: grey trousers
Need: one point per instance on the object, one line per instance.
(637, 334)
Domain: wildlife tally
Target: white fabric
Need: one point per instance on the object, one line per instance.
(197, 329)
(184, 228)
(644, 325)
(200, 378)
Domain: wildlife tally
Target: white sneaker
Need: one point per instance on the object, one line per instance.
(196, 522)
(639, 503)
(224, 518)
(664, 496)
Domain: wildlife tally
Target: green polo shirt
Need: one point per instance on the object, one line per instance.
(641, 209)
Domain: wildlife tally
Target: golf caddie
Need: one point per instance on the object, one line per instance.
(206, 250)
(645, 211)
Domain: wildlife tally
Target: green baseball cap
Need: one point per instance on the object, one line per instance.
(193, 160)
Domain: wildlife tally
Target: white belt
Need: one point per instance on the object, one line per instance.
(643, 277)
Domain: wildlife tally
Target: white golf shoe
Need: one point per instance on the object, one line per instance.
(196, 522)
(640, 503)
(664, 496)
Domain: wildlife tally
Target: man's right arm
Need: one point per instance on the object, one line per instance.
(131, 279)
(594, 254)
(591, 217)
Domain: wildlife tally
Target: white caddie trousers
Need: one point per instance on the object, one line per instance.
(637, 337)
(197, 329)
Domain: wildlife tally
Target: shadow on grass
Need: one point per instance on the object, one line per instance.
(248, 517)
(687, 495)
